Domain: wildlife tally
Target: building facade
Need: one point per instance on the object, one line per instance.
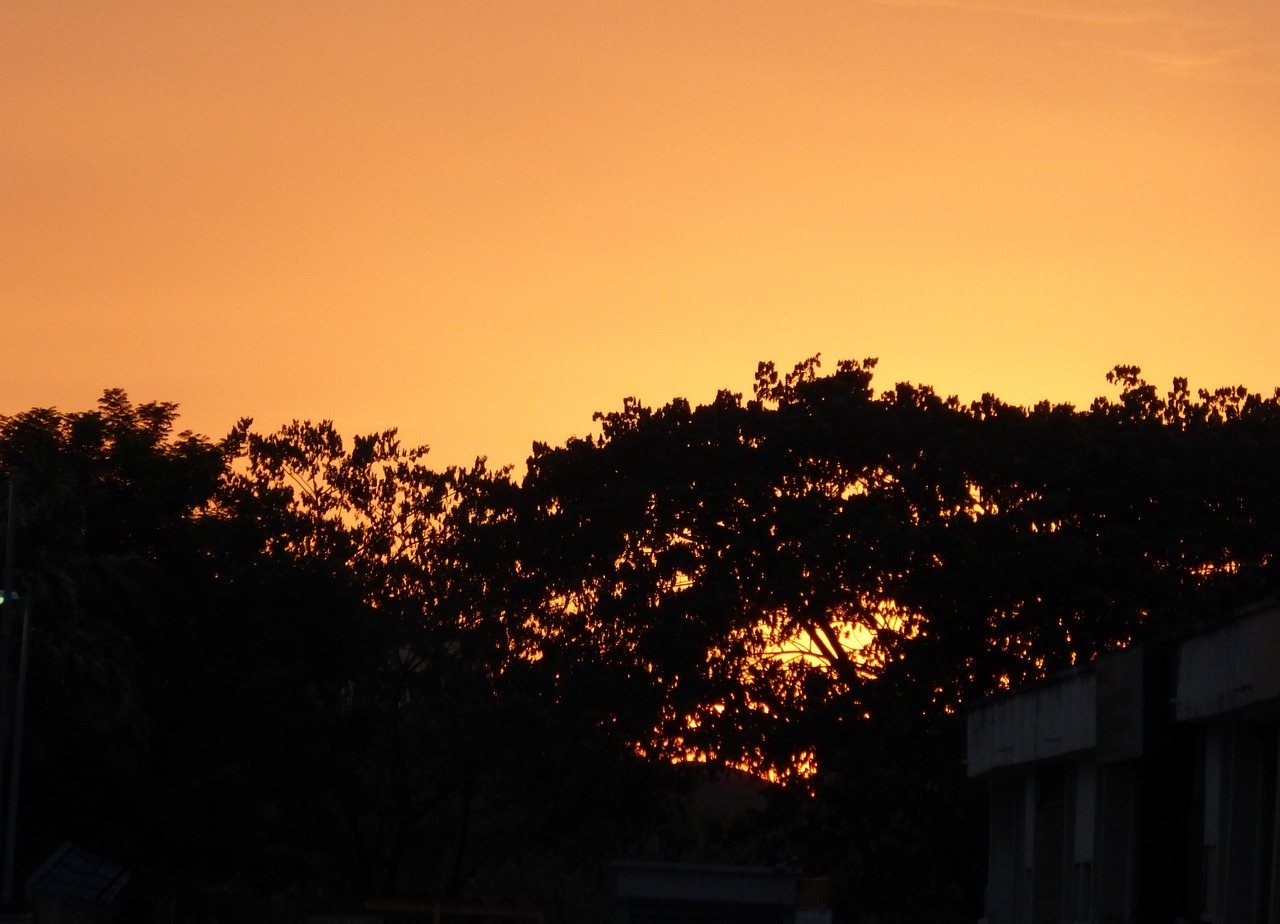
(705, 893)
(1141, 787)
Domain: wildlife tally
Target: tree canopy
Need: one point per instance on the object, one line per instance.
(357, 676)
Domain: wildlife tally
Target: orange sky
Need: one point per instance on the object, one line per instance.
(480, 221)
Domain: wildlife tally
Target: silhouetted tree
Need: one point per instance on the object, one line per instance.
(282, 664)
(107, 502)
(823, 576)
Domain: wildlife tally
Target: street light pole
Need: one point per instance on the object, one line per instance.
(15, 773)
(8, 600)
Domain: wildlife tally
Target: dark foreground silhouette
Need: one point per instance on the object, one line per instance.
(280, 673)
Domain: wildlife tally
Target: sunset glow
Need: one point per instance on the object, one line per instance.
(480, 221)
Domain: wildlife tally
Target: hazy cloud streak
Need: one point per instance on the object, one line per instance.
(1235, 42)
(1074, 12)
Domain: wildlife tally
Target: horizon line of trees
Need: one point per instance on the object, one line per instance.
(294, 666)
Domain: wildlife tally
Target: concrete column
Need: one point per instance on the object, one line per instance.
(1247, 825)
(1113, 885)
(1273, 916)
(1086, 811)
(1026, 875)
(1214, 757)
(1004, 867)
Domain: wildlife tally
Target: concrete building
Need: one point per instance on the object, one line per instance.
(1140, 788)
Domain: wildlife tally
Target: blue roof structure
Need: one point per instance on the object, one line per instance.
(72, 874)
